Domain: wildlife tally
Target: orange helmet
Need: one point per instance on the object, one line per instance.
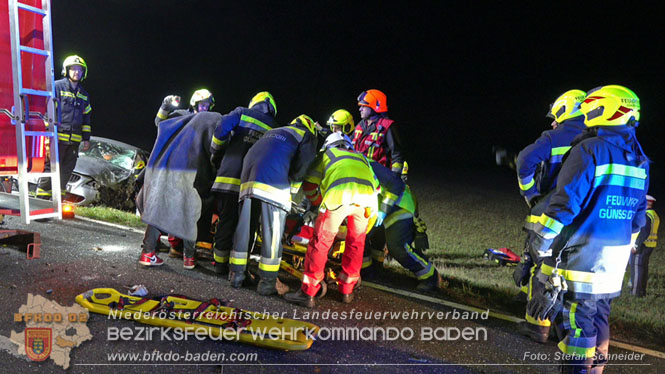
(374, 99)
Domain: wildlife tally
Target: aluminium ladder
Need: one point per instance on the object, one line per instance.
(30, 129)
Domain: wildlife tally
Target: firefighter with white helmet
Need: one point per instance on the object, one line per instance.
(202, 101)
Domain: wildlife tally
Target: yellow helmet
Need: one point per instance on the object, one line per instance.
(201, 95)
(264, 96)
(306, 121)
(611, 105)
(343, 119)
(74, 60)
(567, 105)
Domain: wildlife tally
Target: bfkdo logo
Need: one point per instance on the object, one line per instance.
(38, 343)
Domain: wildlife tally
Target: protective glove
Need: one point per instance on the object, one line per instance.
(546, 296)
(170, 102)
(216, 159)
(379, 218)
(523, 270)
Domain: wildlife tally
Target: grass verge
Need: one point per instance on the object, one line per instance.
(468, 212)
(110, 215)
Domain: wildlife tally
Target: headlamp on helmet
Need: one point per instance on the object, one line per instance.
(374, 99)
(567, 105)
(343, 119)
(611, 105)
(71, 61)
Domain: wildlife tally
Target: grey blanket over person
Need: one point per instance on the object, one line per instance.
(179, 174)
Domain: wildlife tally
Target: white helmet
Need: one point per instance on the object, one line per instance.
(337, 140)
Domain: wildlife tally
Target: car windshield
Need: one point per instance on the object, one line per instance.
(114, 154)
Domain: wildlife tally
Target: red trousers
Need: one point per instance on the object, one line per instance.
(325, 228)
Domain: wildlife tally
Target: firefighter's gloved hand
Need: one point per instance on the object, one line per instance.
(523, 270)
(546, 296)
(170, 102)
(216, 159)
(379, 218)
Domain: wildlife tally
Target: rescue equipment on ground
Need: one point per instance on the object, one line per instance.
(214, 315)
(501, 256)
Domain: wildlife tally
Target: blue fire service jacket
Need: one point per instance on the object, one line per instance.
(73, 112)
(239, 130)
(394, 192)
(539, 163)
(276, 163)
(595, 213)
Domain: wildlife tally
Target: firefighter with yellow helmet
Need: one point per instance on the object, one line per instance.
(584, 237)
(537, 167)
(73, 114)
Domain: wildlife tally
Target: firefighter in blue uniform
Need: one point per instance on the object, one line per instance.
(645, 244)
(397, 207)
(202, 101)
(73, 113)
(537, 167)
(584, 237)
(273, 169)
(239, 130)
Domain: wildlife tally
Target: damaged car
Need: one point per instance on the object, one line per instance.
(106, 173)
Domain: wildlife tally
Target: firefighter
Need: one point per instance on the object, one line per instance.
(178, 179)
(584, 237)
(341, 120)
(342, 184)
(376, 135)
(273, 168)
(202, 101)
(73, 113)
(397, 210)
(239, 130)
(537, 167)
(645, 244)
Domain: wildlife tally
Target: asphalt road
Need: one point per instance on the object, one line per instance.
(70, 265)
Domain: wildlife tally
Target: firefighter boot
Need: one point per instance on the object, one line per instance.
(300, 298)
(221, 268)
(430, 283)
(267, 286)
(236, 278)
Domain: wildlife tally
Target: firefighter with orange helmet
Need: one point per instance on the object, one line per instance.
(376, 136)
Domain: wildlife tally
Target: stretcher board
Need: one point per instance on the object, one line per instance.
(218, 321)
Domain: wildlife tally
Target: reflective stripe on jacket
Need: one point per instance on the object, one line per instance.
(73, 112)
(377, 142)
(596, 212)
(236, 133)
(344, 177)
(278, 161)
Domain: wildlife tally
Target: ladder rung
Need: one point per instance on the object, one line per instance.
(40, 133)
(36, 51)
(31, 8)
(30, 91)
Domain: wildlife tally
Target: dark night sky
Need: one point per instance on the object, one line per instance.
(459, 77)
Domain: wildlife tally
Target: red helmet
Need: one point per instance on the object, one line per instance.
(374, 99)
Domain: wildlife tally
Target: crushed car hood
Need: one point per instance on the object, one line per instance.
(103, 172)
